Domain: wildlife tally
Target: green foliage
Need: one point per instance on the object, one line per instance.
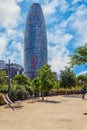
(82, 79)
(36, 84)
(62, 91)
(67, 78)
(19, 92)
(21, 80)
(3, 88)
(28, 88)
(46, 78)
(2, 102)
(56, 84)
(3, 79)
(80, 56)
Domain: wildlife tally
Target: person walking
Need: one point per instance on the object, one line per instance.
(83, 92)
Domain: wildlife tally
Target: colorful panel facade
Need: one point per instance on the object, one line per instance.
(35, 42)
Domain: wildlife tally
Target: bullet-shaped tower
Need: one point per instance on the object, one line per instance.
(35, 41)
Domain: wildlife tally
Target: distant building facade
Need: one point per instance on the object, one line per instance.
(55, 75)
(35, 42)
(14, 68)
(2, 64)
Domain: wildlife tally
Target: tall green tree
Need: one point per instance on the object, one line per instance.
(80, 56)
(67, 78)
(46, 78)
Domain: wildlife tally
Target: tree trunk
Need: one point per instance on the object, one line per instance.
(42, 94)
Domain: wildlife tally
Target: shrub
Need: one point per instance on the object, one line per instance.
(3, 88)
(19, 92)
(13, 93)
(2, 102)
(62, 91)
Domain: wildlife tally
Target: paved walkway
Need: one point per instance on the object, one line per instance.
(55, 113)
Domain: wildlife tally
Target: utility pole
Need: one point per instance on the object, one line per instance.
(9, 77)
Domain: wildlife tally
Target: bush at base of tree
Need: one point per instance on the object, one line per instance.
(19, 92)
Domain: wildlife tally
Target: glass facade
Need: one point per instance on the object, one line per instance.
(35, 41)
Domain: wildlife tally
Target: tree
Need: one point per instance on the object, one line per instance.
(36, 83)
(81, 79)
(36, 86)
(21, 80)
(46, 78)
(67, 78)
(80, 56)
(3, 79)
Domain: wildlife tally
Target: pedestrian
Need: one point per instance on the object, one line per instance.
(83, 92)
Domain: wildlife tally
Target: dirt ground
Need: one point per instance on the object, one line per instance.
(55, 113)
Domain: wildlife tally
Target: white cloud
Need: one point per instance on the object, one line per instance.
(9, 16)
(17, 52)
(77, 23)
(3, 44)
(59, 37)
(14, 35)
(57, 52)
(9, 13)
(10, 47)
(49, 7)
(14, 53)
(58, 58)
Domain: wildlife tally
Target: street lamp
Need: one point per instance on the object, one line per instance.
(8, 76)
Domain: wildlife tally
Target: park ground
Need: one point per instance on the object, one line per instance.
(55, 113)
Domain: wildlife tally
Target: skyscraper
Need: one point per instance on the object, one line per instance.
(35, 41)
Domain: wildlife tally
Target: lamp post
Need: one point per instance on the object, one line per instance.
(9, 77)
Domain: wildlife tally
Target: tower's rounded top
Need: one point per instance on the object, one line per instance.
(35, 5)
(35, 11)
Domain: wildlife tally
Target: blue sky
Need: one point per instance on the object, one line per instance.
(66, 24)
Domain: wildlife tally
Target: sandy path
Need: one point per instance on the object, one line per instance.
(56, 113)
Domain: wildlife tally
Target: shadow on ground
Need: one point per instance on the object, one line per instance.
(45, 101)
(49, 101)
(73, 96)
(84, 113)
(14, 106)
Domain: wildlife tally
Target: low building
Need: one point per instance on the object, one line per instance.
(14, 68)
(55, 75)
(2, 64)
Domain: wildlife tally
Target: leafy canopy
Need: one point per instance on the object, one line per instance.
(82, 78)
(46, 78)
(67, 78)
(80, 56)
(21, 80)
